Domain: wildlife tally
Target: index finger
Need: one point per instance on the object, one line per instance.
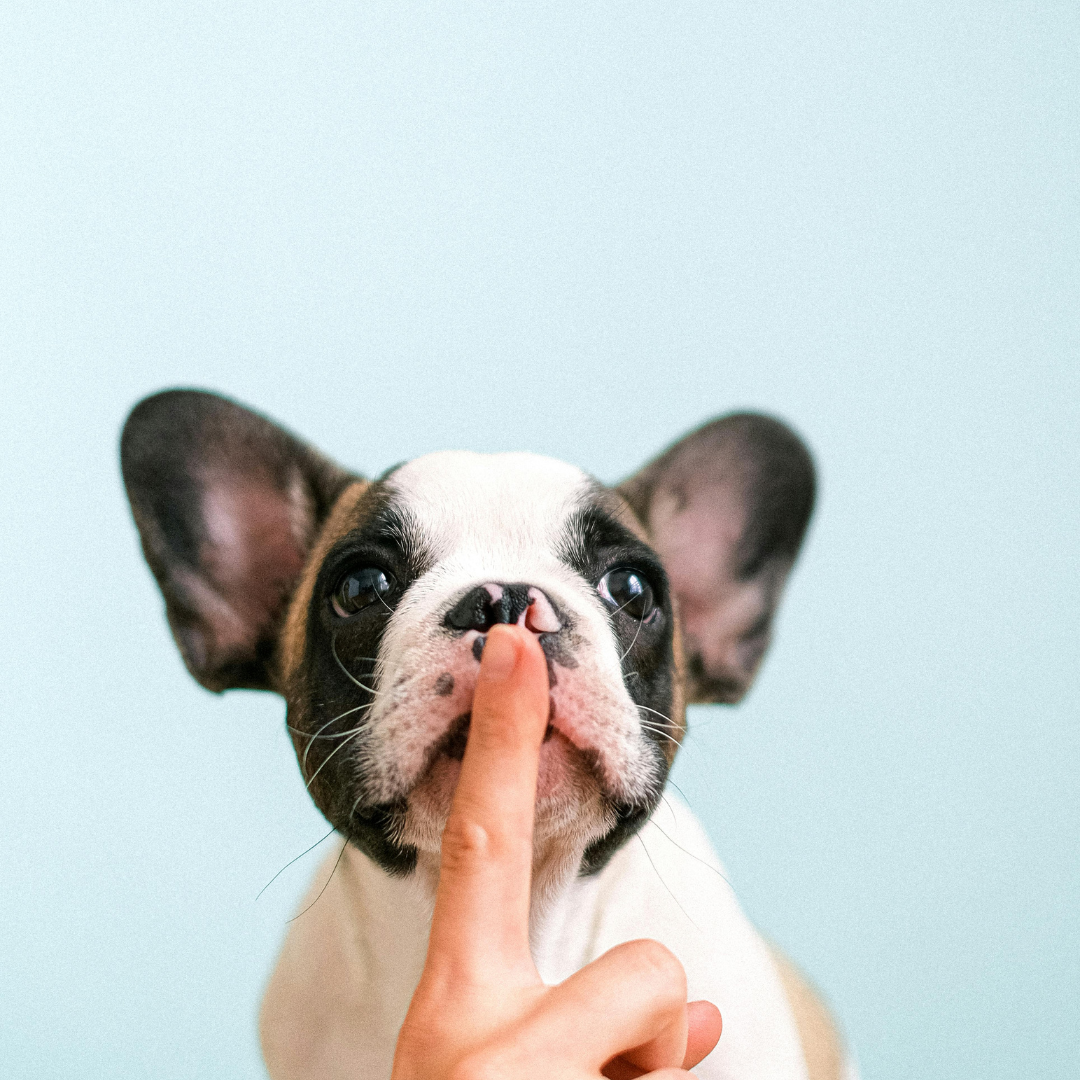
(481, 920)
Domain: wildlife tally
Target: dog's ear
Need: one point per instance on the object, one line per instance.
(227, 505)
(726, 509)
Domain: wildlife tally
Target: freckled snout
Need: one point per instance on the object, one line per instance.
(492, 603)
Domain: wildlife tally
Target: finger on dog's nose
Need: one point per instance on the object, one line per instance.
(482, 909)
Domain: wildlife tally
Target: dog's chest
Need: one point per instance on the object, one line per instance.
(667, 885)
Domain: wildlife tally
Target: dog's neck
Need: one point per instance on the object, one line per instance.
(556, 865)
(365, 932)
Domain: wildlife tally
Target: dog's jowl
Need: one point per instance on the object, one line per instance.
(365, 604)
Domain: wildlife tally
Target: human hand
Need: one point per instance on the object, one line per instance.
(481, 1010)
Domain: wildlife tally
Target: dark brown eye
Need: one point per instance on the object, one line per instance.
(626, 590)
(359, 589)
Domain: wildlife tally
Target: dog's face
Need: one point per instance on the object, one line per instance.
(366, 604)
(385, 633)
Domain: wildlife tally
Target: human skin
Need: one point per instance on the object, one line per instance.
(481, 1010)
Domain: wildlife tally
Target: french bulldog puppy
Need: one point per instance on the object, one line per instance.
(365, 604)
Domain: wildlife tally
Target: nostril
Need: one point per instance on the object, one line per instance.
(534, 620)
(540, 616)
(471, 612)
(484, 606)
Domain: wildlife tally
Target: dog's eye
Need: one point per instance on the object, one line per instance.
(359, 589)
(627, 590)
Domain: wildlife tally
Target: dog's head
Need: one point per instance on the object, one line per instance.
(365, 604)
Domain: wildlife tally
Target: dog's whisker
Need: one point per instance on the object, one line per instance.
(318, 734)
(670, 808)
(311, 739)
(653, 726)
(329, 756)
(660, 732)
(334, 735)
(653, 723)
(690, 853)
(348, 674)
(621, 606)
(655, 713)
(334, 720)
(679, 790)
(648, 855)
(633, 641)
(323, 889)
(290, 862)
(352, 678)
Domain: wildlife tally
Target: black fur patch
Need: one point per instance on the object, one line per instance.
(329, 702)
(596, 542)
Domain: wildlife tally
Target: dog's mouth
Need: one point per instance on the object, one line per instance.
(567, 773)
(452, 744)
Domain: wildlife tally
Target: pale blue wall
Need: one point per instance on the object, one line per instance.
(577, 229)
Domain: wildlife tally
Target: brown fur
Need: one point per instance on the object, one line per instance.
(615, 502)
(340, 520)
(821, 1044)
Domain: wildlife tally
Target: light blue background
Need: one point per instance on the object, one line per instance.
(575, 228)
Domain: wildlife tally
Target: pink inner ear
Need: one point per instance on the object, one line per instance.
(697, 537)
(253, 553)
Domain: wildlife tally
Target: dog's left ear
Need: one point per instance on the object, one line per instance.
(726, 509)
(227, 505)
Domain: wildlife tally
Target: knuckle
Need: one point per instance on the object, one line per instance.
(424, 1031)
(661, 967)
(464, 844)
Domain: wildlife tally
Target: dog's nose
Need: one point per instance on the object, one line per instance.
(487, 605)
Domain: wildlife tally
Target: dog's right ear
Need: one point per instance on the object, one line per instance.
(227, 505)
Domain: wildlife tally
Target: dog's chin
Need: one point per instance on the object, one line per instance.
(571, 808)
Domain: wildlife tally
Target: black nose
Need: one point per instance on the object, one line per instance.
(487, 605)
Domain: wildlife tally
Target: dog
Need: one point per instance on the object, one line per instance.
(365, 605)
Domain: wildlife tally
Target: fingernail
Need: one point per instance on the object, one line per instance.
(500, 656)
